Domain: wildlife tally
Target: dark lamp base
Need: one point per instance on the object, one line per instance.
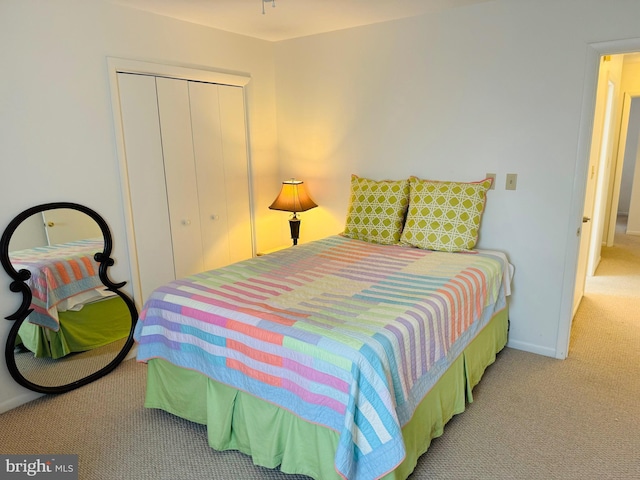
(294, 225)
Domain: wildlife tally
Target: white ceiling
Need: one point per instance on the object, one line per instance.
(290, 18)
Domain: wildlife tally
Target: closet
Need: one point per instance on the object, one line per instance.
(187, 174)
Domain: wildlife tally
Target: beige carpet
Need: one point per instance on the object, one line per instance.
(619, 271)
(533, 417)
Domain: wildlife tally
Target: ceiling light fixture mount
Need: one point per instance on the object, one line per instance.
(272, 2)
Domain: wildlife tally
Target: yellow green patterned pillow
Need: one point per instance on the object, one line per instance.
(444, 216)
(376, 210)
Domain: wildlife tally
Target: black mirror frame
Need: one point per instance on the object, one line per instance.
(19, 285)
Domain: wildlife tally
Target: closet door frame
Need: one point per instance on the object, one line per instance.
(121, 65)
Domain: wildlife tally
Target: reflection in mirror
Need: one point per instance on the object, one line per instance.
(48, 371)
(52, 227)
(74, 325)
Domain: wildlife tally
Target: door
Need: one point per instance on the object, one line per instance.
(222, 170)
(151, 251)
(63, 225)
(581, 274)
(589, 249)
(603, 167)
(180, 175)
(236, 172)
(186, 155)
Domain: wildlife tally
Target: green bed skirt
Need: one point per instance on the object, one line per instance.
(95, 325)
(275, 437)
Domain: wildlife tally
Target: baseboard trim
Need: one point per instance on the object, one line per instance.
(531, 348)
(16, 401)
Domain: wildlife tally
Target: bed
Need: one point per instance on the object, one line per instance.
(70, 304)
(343, 357)
(339, 358)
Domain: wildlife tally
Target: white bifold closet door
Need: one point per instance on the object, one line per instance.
(187, 167)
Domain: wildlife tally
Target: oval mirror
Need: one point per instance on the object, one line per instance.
(74, 325)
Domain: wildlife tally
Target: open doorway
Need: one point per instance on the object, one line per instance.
(608, 85)
(575, 263)
(614, 140)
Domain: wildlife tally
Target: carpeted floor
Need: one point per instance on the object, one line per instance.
(533, 417)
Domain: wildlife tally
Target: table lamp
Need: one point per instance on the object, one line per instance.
(293, 197)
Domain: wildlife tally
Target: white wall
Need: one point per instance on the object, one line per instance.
(630, 152)
(495, 87)
(31, 234)
(57, 140)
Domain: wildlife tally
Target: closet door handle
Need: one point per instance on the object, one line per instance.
(186, 222)
(215, 217)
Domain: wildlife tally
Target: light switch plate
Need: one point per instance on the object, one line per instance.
(492, 175)
(512, 180)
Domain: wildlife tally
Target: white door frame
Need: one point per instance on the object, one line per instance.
(117, 65)
(593, 54)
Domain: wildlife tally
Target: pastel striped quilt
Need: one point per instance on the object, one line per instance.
(343, 333)
(58, 272)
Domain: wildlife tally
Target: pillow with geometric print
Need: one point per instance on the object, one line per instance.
(377, 210)
(444, 216)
